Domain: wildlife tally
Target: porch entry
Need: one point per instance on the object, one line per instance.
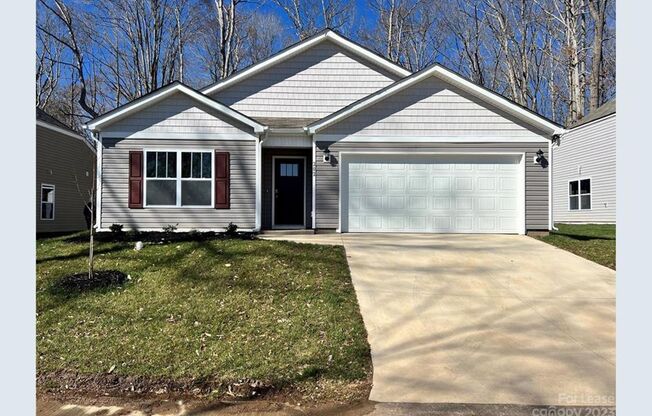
(288, 200)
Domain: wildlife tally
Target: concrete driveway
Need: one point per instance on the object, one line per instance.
(483, 319)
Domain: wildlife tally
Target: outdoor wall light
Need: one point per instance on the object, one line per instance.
(327, 156)
(539, 158)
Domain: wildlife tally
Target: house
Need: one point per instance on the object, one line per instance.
(584, 175)
(326, 135)
(65, 163)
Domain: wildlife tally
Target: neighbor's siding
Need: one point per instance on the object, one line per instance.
(64, 162)
(178, 116)
(268, 173)
(313, 84)
(588, 151)
(115, 185)
(327, 175)
(430, 108)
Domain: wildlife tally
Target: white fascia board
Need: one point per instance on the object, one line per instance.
(101, 121)
(58, 129)
(452, 78)
(302, 46)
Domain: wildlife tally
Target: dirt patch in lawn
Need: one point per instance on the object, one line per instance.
(83, 281)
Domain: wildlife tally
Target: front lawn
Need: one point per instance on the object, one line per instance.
(279, 313)
(596, 242)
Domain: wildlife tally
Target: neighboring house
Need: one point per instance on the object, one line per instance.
(584, 174)
(326, 135)
(64, 176)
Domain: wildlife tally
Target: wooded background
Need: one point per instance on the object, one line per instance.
(557, 57)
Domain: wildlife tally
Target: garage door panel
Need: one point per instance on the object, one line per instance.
(462, 194)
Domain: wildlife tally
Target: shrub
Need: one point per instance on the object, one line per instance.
(170, 228)
(116, 228)
(231, 229)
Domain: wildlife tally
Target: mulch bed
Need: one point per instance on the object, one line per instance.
(160, 236)
(83, 282)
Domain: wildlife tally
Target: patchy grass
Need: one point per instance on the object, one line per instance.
(596, 242)
(279, 312)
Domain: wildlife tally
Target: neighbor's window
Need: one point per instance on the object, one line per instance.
(579, 194)
(179, 179)
(47, 202)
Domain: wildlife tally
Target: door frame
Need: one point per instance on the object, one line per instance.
(341, 179)
(303, 186)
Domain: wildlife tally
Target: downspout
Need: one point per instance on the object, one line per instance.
(313, 210)
(551, 212)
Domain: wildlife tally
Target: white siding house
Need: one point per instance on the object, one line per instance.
(584, 170)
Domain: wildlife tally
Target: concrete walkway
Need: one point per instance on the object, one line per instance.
(482, 319)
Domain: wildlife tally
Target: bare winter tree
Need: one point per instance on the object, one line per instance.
(71, 35)
(48, 67)
(310, 16)
(262, 33)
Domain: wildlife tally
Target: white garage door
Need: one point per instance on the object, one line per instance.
(446, 194)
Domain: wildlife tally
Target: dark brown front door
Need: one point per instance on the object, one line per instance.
(289, 191)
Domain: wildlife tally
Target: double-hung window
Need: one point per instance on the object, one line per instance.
(579, 194)
(179, 179)
(47, 202)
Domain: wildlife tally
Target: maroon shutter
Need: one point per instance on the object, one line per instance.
(136, 179)
(222, 180)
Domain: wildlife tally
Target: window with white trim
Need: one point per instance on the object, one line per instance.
(579, 194)
(179, 179)
(47, 202)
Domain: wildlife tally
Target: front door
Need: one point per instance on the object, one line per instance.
(289, 191)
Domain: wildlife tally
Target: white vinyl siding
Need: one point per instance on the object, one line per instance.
(178, 117)
(588, 151)
(312, 85)
(430, 108)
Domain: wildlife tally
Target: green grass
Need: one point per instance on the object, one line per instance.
(273, 311)
(596, 242)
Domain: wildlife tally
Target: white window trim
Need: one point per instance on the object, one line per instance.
(580, 194)
(179, 179)
(41, 202)
(288, 226)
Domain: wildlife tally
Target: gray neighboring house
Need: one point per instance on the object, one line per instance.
(64, 172)
(584, 175)
(326, 135)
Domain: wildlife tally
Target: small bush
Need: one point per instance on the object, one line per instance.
(169, 229)
(116, 228)
(231, 229)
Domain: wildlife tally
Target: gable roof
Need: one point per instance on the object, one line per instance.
(47, 121)
(522, 113)
(294, 49)
(604, 110)
(160, 94)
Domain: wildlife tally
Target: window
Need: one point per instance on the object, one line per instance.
(179, 179)
(289, 169)
(47, 202)
(579, 194)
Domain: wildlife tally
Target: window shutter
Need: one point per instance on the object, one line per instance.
(135, 179)
(222, 180)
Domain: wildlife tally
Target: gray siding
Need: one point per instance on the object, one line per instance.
(178, 116)
(64, 162)
(268, 192)
(430, 108)
(115, 182)
(588, 151)
(313, 84)
(327, 175)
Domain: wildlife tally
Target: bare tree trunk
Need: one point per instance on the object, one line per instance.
(598, 10)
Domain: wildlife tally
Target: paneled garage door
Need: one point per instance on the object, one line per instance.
(441, 194)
